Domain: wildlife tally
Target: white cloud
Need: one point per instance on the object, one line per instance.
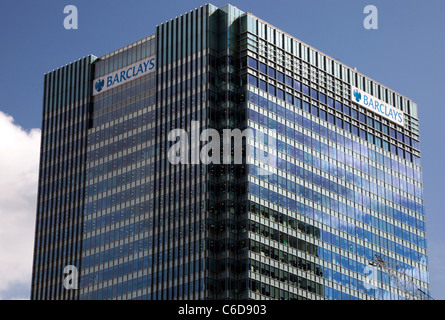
(19, 163)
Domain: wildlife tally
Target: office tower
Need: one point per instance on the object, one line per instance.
(327, 200)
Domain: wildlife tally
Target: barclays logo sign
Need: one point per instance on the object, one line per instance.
(99, 85)
(357, 95)
(125, 74)
(378, 106)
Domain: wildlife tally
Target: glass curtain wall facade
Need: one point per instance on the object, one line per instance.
(343, 184)
(120, 181)
(180, 216)
(348, 187)
(67, 104)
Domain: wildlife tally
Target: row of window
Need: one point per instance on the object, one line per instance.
(133, 193)
(293, 205)
(332, 152)
(73, 196)
(137, 155)
(116, 216)
(285, 220)
(135, 228)
(339, 224)
(70, 183)
(66, 214)
(45, 274)
(62, 200)
(121, 162)
(120, 145)
(350, 112)
(340, 190)
(123, 232)
(322, 130)
(120, 128)
(120, 111)
(346, 175)
(61, 120)
(149, 261)
(273, 292)
(337, 241)
(126, 57)
(327, 273)
(125, 287)
(45, 255)
(70, 147)
(123, 93)
(184, 67)
(286, 277)
(181, 88)
(187, 290)
(118, 180)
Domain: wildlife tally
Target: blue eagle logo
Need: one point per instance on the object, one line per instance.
(357, 95)
(99, 84)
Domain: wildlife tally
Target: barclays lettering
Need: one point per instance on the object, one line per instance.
(389, 112)
(120, 76)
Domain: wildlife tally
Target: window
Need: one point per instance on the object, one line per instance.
(338, 106)
(263, 68)
(393, 149)
(378, 142)
(253, 80)
(263, 85)
(271, 72)
(297, 102)
(355, 130)
(392, 133)
(407, 140)
(289, 81)
(280, 76)
(354, 114)
(281, 111)
(289, 98)
(252, 63)
(339, 122)
(314, 94)
(314, 111)
(272, 106)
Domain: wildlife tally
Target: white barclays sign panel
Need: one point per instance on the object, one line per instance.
(123, 75)
(378, 106)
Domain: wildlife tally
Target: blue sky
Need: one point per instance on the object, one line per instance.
(405, 53)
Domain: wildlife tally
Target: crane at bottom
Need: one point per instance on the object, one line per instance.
(402, 281)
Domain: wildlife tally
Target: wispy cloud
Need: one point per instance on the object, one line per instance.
(19, 161)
